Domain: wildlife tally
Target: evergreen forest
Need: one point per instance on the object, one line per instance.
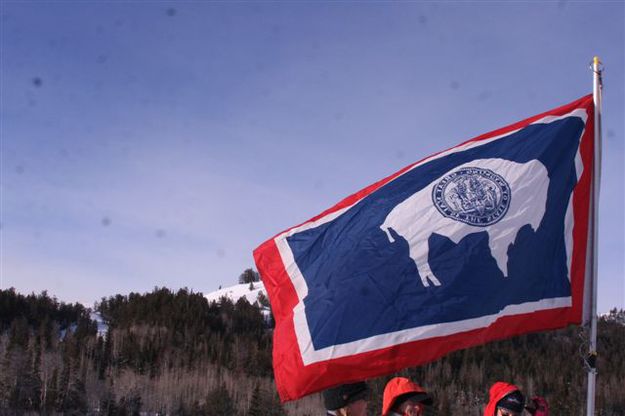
(174, 353)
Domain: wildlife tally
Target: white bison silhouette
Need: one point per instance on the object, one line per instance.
(416, 218)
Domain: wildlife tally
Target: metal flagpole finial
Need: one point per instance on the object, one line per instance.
(596, 66)
(596, 63)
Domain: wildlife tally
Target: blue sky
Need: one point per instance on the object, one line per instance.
(157, 144)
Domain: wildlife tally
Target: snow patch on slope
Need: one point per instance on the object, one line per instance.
(102, 325)
(236, 292)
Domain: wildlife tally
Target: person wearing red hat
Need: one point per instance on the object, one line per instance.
(402, 397)
(505, 399)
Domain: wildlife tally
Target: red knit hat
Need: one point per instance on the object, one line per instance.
(401, 386)
(498, 391)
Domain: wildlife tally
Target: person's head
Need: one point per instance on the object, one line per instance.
(347, 399)
(504, 399)
(511, 404)
(403, 397)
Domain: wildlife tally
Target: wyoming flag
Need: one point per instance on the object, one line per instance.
(480, 242)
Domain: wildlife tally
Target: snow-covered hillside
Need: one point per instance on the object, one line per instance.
(237, 292)
(615, 315)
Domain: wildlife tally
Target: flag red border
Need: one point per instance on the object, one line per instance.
(295, 380)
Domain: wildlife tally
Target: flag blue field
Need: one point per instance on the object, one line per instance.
(479, 242)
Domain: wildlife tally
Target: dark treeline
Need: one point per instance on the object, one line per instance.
(39, 311)
(175, 353)
(163, 352)
(163, 329)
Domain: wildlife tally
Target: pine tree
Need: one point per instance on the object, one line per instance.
(19, 334)
(108, 407)
(35, 373)
(443, 404)
(28, 387)
(273, 405)
(75, 402)
(219, 402)
(7, 380)
(51, 389)
(130, 405)
(181, 410)
(249, 276)
(265, 403)
(62, 388)
(256, 403)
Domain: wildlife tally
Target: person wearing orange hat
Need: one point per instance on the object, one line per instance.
(402, 397)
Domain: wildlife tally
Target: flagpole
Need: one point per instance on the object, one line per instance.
(592, 353)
